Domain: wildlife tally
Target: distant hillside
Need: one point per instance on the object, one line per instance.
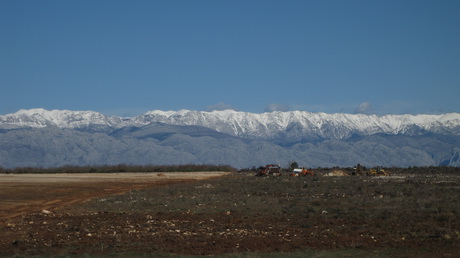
(46, 138)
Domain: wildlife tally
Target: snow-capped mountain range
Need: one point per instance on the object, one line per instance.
(47, 138)
(244, 124)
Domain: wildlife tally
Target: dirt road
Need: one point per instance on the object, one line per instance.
(310, 216)
(24, 193)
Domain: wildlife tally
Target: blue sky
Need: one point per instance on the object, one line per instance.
(128, 57)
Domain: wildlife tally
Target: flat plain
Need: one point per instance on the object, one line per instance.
(412, 213)
(25, 193)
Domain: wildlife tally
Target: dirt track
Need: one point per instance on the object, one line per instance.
(24, 193)
(233, 214)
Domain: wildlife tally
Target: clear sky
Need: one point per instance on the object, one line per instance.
(128, 57)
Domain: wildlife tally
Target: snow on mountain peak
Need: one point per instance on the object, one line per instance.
(325, 125)
(38, 117)
(244, 124)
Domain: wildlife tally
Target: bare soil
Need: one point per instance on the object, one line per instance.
(25, 193)
(212, 215)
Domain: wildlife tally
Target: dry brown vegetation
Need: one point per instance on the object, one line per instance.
(120, 168)
(414, 212)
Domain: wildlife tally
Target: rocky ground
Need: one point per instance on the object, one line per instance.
(244, 214)
(202, 234)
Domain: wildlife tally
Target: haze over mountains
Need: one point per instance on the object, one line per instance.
(47, 138)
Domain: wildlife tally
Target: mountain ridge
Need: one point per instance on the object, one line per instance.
(47, 138)
(245, 124)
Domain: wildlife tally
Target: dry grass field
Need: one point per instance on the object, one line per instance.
(406, 214)
(25, 193)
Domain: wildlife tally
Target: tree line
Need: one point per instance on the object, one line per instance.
(120, 168)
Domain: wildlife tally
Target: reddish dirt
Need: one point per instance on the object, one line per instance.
(24, 193)
(196, 234)
(28, 230)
